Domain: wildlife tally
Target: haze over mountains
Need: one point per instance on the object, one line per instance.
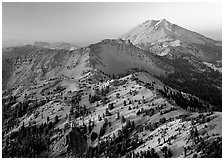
(156, 81)
(57, 45)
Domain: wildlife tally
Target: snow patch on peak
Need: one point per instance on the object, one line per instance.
(158, 23)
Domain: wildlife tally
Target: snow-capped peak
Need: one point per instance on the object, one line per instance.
(162, 21)
(153, 30)
(164, 24)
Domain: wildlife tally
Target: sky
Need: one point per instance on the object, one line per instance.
(87, 22)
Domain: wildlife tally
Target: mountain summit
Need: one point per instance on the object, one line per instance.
(164, 38)
(163, 30)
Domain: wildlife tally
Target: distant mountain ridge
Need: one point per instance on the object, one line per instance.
(41, 43)
(56, 45)
(15, 43)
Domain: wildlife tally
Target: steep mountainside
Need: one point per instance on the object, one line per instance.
(118, 56)
(166, 39)
(162, 30)
(39, 64)
(9, 56)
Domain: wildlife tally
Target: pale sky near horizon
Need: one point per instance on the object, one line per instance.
(91, 22)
